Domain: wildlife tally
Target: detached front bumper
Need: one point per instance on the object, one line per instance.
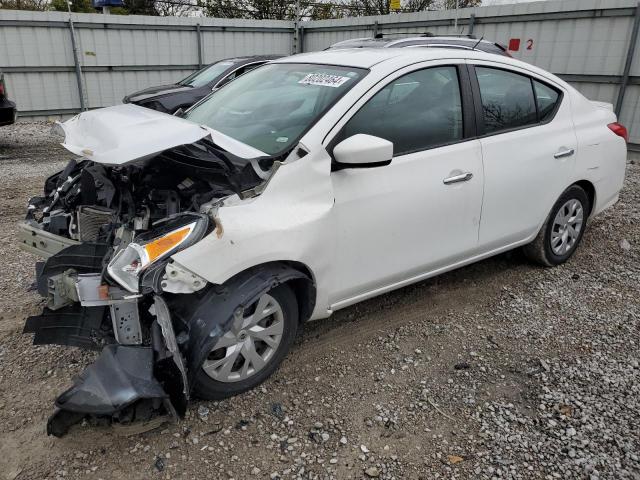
(140, 373)
(128, 383)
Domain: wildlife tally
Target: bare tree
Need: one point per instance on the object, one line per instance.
(253, 9)
(257, 9)
(173, 8)
(451, 4)
(318, 9)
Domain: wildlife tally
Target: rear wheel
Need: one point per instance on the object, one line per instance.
(252, 349)
(561, 233)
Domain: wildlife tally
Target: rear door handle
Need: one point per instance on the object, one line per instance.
(463, 177)
(564, 153)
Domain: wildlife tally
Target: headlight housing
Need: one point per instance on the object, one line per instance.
(129, 263)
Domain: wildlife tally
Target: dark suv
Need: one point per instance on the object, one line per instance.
(427, 40)
(8, 110)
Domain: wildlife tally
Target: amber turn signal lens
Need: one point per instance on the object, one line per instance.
(160, 246)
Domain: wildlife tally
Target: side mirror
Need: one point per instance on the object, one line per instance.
(363, 151)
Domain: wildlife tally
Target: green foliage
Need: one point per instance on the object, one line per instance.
(140, 7)
(78, 6)
(37, 5)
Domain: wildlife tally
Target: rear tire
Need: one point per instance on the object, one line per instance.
(253, 349)
(563, 229)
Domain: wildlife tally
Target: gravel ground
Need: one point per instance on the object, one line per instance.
(498, 370)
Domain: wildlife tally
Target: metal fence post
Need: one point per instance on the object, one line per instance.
(472, 22)
(83, 107)
(627, 64)
(199, 40)
(375, 29)
(296, 28)
(301, 38)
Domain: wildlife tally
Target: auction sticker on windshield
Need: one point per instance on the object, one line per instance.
(324, 80)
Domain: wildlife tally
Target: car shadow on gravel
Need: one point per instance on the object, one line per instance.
(477, 281)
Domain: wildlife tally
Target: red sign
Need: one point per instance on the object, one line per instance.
(514, 44)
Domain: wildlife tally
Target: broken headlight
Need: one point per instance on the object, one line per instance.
(129, 263)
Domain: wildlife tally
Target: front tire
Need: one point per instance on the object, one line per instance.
(561, 233)
(252, 349)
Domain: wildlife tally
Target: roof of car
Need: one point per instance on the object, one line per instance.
(368, 57)
(374, 42)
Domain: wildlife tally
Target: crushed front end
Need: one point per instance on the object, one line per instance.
(106, 234)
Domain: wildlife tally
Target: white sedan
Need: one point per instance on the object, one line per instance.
(198, 245)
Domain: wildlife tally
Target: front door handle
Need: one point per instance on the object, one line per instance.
(564, 153)
(463, 177)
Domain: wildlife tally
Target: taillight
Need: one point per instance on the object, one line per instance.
(2, 89)
(619, 130)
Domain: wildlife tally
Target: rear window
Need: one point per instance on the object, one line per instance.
(547, 99)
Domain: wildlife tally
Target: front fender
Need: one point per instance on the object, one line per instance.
(289, 222)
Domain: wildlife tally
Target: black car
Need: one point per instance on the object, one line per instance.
(427, 40)
(8, 110)
(170, 98)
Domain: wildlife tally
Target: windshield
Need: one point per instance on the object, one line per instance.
(271, 107)
(207, 74)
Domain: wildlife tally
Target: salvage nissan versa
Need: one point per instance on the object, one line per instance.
(190, 250)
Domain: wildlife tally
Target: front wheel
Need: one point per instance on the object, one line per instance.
(252, 349)
(561, 233)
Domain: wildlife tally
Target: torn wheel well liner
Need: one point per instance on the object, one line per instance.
(210, 316)
(304, 289)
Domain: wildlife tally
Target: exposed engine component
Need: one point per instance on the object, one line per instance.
(89, 221)
(87, 201)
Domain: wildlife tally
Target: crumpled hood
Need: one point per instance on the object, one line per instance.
(124, 133)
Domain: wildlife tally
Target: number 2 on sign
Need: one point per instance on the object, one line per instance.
(530, 44)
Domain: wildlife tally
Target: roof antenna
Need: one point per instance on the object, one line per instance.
(478, 42)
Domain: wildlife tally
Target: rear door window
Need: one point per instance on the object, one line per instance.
(507, 99)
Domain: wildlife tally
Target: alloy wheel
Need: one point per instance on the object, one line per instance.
(250, 343)
(567, 226)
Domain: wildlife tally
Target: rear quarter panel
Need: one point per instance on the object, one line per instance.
(602, 155)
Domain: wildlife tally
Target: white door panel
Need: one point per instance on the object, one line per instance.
(522, 180)
(525, 170)
(400, 220)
